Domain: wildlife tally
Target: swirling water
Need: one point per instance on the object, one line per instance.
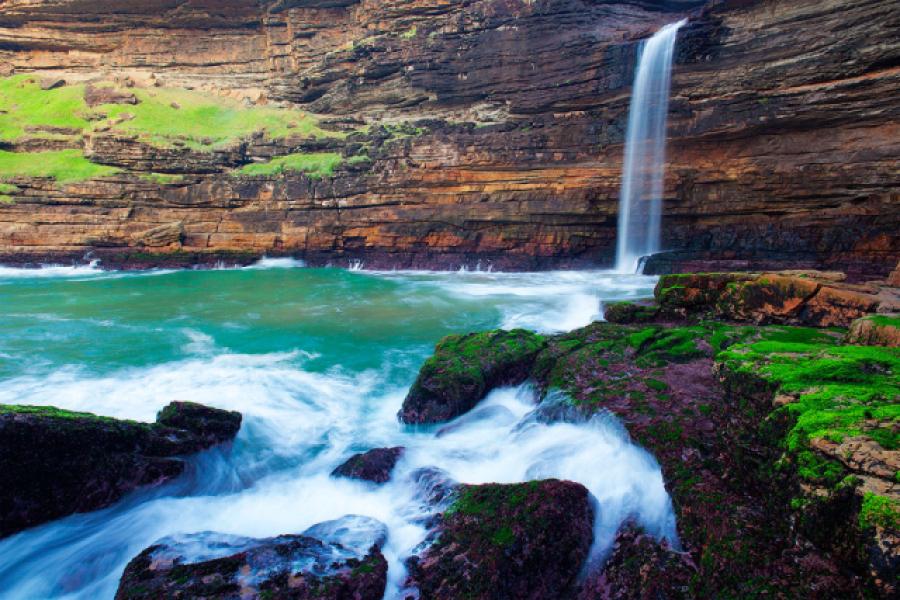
(318, 361)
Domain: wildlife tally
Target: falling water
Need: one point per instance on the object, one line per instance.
(645, 151)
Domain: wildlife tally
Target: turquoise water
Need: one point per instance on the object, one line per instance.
(318, 361)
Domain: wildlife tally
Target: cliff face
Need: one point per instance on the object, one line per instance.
(482, 130)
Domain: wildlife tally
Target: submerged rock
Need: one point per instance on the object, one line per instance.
(375, 465)
(338, 559)
(465, 368)
(515, 541)
(56, 462)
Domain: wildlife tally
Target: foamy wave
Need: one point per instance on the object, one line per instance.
(50, 270)
(276, 263)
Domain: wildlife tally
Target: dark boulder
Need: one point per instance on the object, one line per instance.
(465, 368)
(56, 462)
(641, 567)
(375, 465)
(516, 541)
(630, 312)
(338, 559)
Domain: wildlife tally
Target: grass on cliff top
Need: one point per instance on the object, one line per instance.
(203, 120)
(24, 104)
(162, 116)
(314, 164)
(65, 166)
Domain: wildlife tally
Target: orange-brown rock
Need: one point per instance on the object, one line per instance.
(791, 297)
(881, 330)
(784, 130)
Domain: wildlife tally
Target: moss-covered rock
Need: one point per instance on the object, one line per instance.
(57, 462)
(792, 297)
(630, 312)
(641, 567)
(465, 368)
(316, 565)
(516, 541)
(876, 330)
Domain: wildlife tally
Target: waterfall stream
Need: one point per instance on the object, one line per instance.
(640, 198)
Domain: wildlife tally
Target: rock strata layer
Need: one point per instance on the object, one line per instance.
(56, 462)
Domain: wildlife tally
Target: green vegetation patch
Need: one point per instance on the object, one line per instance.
(23, 105)
(51, 412)
(205, 120)
(316, 164)
(65, 166)
(839, 389)
(879, 511)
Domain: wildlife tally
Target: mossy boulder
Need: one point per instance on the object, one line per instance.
(57, 462)
(375, 465)
(630, 312)
(464, 368)
(876, 330)
(641, 567)
(315, 565)
(514, 541)
(791, 297)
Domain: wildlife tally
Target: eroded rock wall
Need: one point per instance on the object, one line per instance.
(783, 129)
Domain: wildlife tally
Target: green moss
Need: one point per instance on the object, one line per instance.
(315, 165)
(879, 511)
(65, 166)
(51, 412)
(639, 338)
(838, 388)
(813, 467)
(656, 385)
(162, 178)
(410, 33)
(885, 321)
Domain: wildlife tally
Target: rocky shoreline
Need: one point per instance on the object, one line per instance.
(770, 401)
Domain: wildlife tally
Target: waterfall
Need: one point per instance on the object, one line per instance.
(640, 198)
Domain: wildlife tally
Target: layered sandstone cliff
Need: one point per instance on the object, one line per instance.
(478, 130)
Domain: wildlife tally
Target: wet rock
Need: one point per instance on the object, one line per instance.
(630, 312)
(641, 568)
(879, 330)
(464, 369)
(334, 560)
(56, 462)
(792, 297)
(515, 541)
(375, 465)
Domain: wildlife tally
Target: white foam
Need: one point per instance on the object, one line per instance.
(277, 263)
